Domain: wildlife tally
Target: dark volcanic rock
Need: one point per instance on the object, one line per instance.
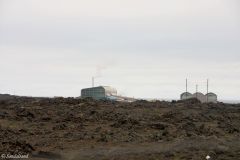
(117, 130)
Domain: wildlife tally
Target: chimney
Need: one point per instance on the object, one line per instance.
(92, 81)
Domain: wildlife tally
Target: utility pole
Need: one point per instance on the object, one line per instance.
(196, 91)
(186, 85)
(207, 89)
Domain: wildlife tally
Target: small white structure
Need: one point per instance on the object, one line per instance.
(186, 95)
(211, 97)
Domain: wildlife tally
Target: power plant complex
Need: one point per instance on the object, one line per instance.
(110, 93)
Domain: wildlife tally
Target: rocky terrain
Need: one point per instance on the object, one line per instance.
(84, 129)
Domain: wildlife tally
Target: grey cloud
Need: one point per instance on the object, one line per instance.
(52, 47)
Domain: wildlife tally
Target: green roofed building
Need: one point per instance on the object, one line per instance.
(101, 92)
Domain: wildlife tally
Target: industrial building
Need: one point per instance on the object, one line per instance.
(101, 92)
(208, 98)
(104, 93)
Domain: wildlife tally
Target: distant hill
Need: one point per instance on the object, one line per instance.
(231, 101)
(6, 97)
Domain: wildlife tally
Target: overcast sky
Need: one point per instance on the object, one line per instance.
(144, 48)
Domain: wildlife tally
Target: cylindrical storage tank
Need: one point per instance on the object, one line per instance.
(211, 97)
(185, 95)
(201, 97)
